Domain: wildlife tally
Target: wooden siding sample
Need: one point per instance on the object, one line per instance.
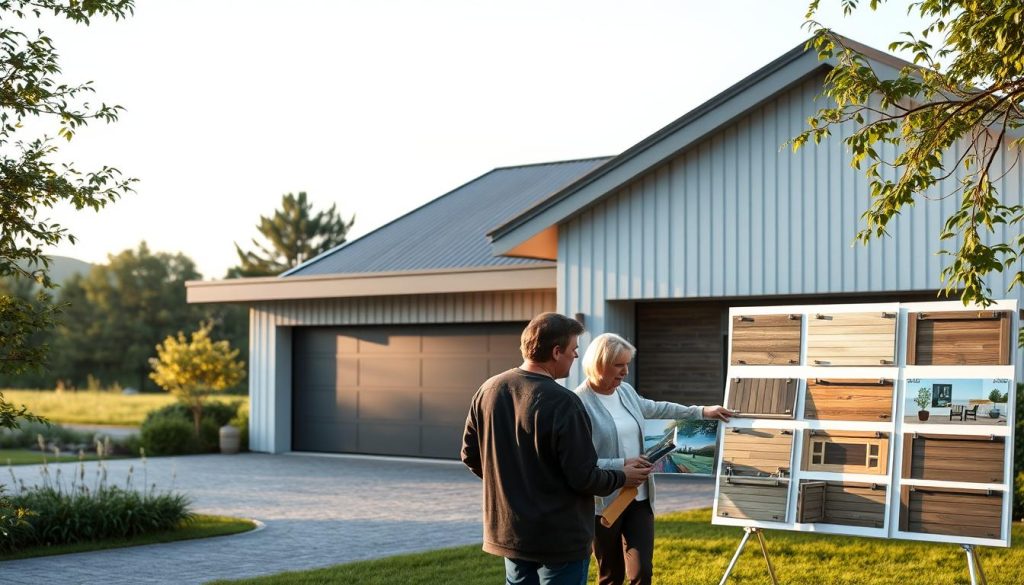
(952, 512)
(682, 355)
(954, 457)
(766, 340)
(846, 452)
(753, 499)
(852, 339)
(845, 399)
(958, 338)
(757, 452)
(845, 503)
(763, 397)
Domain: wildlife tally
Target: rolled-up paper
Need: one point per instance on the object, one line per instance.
(618, 506)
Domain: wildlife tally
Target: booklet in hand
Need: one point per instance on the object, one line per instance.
(663, 447)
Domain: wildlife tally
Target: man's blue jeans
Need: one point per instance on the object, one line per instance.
(519, 572)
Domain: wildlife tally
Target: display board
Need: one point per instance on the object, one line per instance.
(888, 420)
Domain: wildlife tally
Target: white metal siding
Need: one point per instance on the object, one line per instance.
(741, 215)
(270, 340)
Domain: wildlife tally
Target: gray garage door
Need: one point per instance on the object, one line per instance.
(393, 390)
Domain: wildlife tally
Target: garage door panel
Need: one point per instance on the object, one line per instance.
(452, 343)
(446, 407)
(498, 365)
(317, 368)
(444, 371)
(389, 344)
(389, 404)
(318, 402)
(389, 439)
(442, 441)
(504, 342)
(389, 372)
(331, 437)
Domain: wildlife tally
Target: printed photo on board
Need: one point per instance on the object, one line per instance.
(957, 401)
(696, 442)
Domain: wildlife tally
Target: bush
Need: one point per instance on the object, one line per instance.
(62, 514)
(169, 435)
(220, 412)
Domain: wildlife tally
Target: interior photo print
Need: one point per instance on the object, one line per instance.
(696, 442)
(957, 401)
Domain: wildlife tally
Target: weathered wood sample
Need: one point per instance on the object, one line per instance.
(955, 338)
(771, 340)
(846, 452)
(753, 498)
(852, 339)
(953, 512)
(846, 503)
(954, 457)
(757, 452)
(845, 399)
(763, 397)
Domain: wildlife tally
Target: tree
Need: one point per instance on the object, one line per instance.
(293, 234)
(965, 89)
(193, 369)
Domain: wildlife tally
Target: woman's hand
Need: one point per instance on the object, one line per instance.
(636, 469)
(718, 412)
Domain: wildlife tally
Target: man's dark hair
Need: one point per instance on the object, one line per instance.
(544, 333)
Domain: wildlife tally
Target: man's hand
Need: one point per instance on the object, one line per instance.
(637, 469)
(718, 412)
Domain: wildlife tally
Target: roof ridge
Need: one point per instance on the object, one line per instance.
(554, 162)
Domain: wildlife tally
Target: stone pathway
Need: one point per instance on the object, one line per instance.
(317, 511)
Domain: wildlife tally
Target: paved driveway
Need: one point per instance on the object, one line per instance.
(317, 511)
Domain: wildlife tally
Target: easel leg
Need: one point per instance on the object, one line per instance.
(747, 531)
(974, 565)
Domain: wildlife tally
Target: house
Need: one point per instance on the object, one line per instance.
(364, 348)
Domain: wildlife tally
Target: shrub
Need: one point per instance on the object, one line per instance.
(169, 435)
(220, 412)
(61, 514)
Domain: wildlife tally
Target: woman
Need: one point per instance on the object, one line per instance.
(617, 412)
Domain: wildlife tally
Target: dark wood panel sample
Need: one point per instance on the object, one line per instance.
(955, 338)
(846, 503)
(954, 457)
(763, 397)
(757, 452)
(766, 339)
(952, 512)
(844, 399)
(753, 498)
(852, 339)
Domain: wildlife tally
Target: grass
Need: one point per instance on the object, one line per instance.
(94, 407)
(29, 457)
(202, 526)
(690, 551)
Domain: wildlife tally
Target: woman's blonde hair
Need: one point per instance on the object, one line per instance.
(602, 352)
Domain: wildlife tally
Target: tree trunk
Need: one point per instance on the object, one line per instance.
(197, 415)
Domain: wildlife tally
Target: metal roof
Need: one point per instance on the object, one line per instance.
(450, 231)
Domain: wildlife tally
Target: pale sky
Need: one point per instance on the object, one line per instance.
(380, 106)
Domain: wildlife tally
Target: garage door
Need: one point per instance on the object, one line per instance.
(393, 390)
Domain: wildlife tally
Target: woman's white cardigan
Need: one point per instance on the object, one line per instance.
(606, 436)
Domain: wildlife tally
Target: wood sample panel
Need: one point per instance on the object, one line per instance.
(844, 399)
(953, 512)
(757, 452)
(956, 338)
(851, 339)
(772, 340)
(954, 458)
(763, 397)
(846, 503)
(846, 452)
(753, 499)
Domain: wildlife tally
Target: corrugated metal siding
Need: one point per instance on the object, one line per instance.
(451, 231)
(270, 340)
(741, 215)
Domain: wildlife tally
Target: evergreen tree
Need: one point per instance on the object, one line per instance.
(293, 235)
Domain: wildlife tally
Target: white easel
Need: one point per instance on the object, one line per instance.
(747, 531)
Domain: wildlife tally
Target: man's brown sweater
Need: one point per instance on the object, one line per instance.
(528, 438)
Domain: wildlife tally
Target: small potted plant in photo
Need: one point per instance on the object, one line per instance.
(924, 398)
(996, 397)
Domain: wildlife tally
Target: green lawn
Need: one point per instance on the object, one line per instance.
(93, 407)
(694, 463)
(690, 551)
(29, 457)
(201, 527)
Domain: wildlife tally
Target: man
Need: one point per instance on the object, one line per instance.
(528, 438)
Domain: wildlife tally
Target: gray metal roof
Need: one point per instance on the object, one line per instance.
(450, 231)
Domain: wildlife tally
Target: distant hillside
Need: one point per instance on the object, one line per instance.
(63, 268)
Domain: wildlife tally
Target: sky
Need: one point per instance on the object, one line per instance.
(381, 106)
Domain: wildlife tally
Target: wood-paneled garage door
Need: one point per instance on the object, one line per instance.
(393, 390)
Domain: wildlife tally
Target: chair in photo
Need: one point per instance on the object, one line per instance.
(970, 413)
(957, 411)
